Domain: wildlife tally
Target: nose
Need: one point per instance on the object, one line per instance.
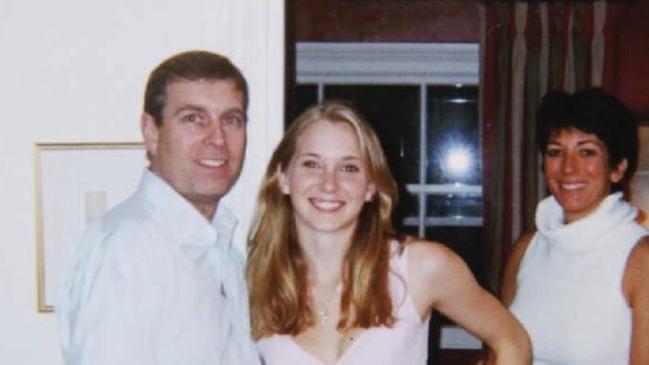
(215, 134)
(329, 181)
(569, 164)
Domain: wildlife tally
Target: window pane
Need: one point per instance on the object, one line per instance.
(454, 205)
(452, 135)
(466, 242)
(393, 111)
(452, 147)
(306, 95)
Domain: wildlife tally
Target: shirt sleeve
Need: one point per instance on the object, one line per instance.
(108, 313)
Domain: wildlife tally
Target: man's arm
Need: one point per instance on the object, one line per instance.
(107, 309)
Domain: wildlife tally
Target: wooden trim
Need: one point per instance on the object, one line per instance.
(383, 21)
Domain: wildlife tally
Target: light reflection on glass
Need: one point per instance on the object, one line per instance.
(456, 161)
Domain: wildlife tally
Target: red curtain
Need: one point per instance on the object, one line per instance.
(627, 76)
(528, 48)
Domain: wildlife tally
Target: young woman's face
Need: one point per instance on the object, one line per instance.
(577, 172)
(327, 179)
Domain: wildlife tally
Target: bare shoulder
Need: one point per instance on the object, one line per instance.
(518, 251)
(508, 287)
(636, 292)
(638, 260)
(430, 257)
(433, 271)
(520, 246)
(433, 265)
(637, 270)
(642, 247)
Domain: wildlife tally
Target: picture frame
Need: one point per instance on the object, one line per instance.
(74, 184)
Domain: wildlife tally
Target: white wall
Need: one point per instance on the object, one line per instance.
(74, 71)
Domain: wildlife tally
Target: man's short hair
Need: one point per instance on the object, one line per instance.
(191, 66)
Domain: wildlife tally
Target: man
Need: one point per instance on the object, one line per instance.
(157, 280)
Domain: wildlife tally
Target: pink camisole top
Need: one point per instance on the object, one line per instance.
(405, 343)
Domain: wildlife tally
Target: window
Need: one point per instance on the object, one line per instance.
(422, 101)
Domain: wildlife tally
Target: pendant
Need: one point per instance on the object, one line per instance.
(322, 313)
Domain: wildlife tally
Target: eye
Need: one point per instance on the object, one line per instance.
(311, 164)
(588, 152)
(233, 121)
(350, 168)
(552, 152)
(193, 118)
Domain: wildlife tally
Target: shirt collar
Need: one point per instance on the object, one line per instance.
(180, 219)
(589, 232)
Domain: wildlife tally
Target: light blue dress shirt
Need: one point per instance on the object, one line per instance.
(153, 282)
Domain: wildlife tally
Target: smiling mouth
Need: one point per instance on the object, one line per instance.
(572, 186)
(212, 163)
(326, 205)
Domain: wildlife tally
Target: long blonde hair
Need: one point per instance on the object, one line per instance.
(277, 271)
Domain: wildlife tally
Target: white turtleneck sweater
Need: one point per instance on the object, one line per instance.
(569, 285)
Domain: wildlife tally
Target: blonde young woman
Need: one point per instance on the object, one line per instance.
(330, 282)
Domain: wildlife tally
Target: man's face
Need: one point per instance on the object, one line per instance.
(199, 148)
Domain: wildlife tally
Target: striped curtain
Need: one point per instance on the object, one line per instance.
(528, 48)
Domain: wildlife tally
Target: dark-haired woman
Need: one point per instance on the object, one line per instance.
(580, 283)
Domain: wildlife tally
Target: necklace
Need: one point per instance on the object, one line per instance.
(323, 316)
(323, 313)
(323, 306)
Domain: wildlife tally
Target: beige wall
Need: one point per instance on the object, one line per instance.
(640, 182)
(73, 71)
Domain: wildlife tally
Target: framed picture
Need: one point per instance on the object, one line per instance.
(640, 182)
(76, 183)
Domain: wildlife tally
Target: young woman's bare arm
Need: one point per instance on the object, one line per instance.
(439, 279)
